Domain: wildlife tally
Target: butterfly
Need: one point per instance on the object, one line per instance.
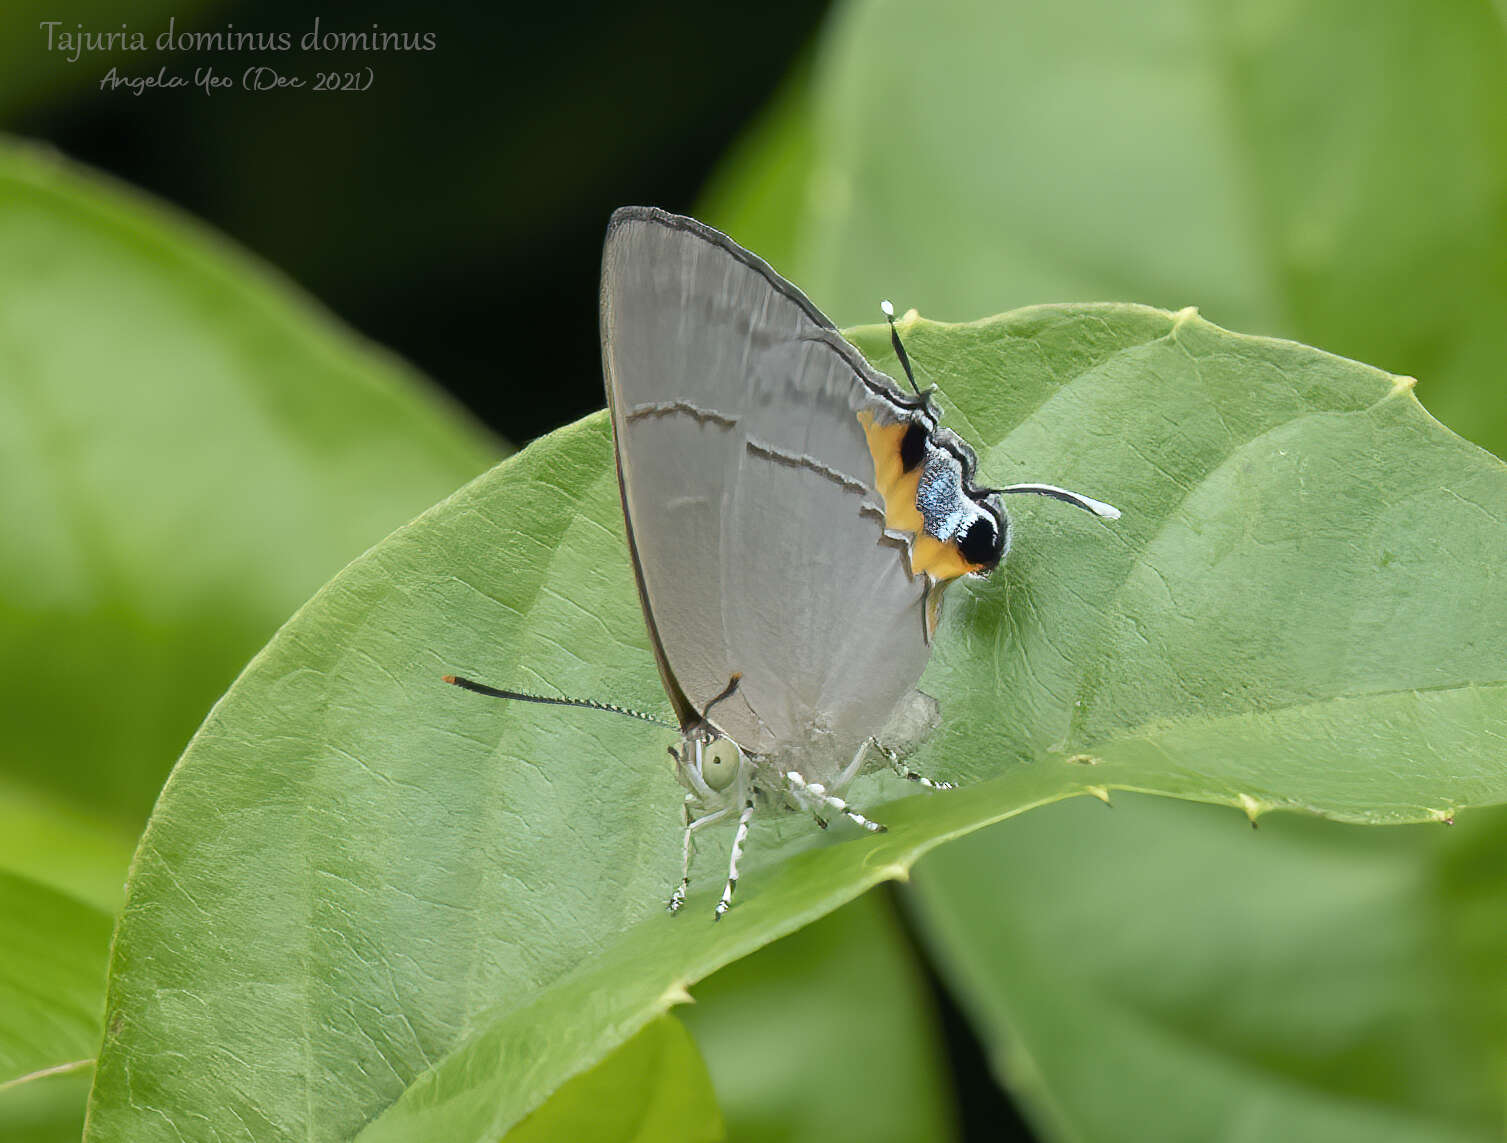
(792, 516)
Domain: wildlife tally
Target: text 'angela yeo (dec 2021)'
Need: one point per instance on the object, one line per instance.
(314, 58)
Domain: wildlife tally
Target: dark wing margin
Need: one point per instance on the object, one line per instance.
(881, 384)
(685, 713)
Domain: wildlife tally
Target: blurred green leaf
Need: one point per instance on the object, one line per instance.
(46, 1110)
(761, 187)
(187, 450)
(446, 907)
(1282, 985)
(80, 851)
(826, 1034)
(652, 1088)
(1330, 173)
(190, 448)
(52, 953)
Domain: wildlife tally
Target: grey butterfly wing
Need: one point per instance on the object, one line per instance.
(748, 491)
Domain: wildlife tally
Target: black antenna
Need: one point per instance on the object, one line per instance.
(523, 696)
(1076, 499)
(889, 315)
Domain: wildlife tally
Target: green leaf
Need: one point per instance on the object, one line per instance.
(445, 907)
(1317, 991)
(826, 1034)
(187, 450)
(52, 955)
(1272, 594)
(653, 1088)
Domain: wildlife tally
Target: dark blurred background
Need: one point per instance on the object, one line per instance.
(469, 185)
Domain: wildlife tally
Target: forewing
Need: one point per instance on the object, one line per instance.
(749, 491)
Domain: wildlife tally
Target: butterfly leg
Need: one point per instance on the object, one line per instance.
(677, 898)
(815, 792)
(853, 768)
(732, 866)
(908, 774)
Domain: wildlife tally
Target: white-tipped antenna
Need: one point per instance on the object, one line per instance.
(889, 316)
(1077, 499)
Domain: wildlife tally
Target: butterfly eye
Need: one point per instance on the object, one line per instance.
(719, 763)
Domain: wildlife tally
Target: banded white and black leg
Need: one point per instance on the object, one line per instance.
(841, 783)
(677, 898)
(815, 792)
(854, 767)
(732, 866)
(899, 767)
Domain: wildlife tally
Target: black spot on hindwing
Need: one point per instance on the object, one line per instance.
(982, 544)
(912, 447)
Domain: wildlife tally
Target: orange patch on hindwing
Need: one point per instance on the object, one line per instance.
(896, 486)
(939, 559)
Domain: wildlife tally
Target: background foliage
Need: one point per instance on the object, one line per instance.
(1334, 176)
